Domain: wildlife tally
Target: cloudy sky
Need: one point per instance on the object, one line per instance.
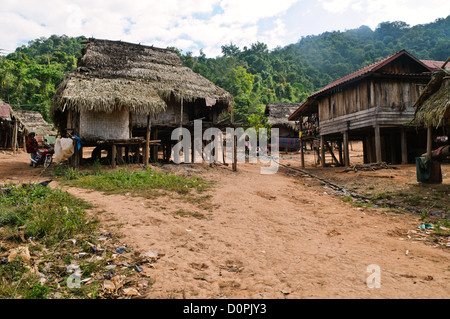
(191, 25)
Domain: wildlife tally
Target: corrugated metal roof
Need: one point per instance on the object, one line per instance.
(434, 65)
(5, 112)
(306, 108)
(371, 68)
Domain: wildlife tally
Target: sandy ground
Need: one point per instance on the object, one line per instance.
(265, 236)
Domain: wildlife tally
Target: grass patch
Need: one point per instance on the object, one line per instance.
(43, 220)
(381, 196)
(184, 213)
(143, 182)
(414, 200)
(45, 214)
(355, 202)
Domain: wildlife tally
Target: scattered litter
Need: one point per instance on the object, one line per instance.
(425, 226)
(20, 252)
(121, 250)
(286, 291)
(108, 285)
(150, 254)
(130, 292)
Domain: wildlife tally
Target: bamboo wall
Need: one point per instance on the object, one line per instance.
(114, 125)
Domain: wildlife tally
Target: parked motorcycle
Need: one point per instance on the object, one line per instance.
(45, 157)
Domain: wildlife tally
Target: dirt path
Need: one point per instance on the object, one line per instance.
(270, 236)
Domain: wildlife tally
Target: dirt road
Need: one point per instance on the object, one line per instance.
(269, 236)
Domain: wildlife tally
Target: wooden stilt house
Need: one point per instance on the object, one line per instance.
(373, 105)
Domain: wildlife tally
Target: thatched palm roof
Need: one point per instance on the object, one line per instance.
(433, 105)
(114, 75)
(278, 113)
(33, 121)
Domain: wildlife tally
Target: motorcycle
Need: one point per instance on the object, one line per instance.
(45, 157)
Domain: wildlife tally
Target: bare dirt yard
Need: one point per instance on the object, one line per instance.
(285, 235)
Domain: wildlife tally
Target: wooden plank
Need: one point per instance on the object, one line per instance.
(366, 118)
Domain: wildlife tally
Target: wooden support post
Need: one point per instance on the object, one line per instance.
(119, 155)
(341, 161)
(330, 148)
(234, 151)
(75, 158)
(113, 155)
(14, 137)
(429, 141)
(404, 147)
(147, 142)
(302, 152)
(378, 144)
(234, 164)
(346, 151)
(322, 150)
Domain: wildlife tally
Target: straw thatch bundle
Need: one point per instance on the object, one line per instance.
(112, 75)
(433, 105)
(278, 113)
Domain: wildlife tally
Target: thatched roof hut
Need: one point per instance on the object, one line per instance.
(433, 105)
(117, 86)
(278, 114)
(15, 125)
(114, 75)
(32, 121)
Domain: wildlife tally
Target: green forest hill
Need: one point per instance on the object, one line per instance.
(254, 75)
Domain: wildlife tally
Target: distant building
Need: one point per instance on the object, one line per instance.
(15, 125)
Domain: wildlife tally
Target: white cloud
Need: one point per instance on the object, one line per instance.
(192, 25)
(336, 6)
(412, 12)
(169, 22)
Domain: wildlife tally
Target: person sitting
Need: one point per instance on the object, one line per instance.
(33, 148)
